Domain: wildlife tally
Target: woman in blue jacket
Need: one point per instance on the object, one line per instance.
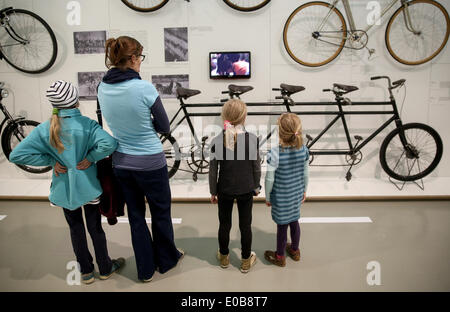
(133, 111)
(72, 143)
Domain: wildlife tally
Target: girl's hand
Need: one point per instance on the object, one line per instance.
(214, 199)
(84, 164)
(304, 197)
(268, 204)
(59, 169)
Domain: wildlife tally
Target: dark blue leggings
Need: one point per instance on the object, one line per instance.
(282, 236)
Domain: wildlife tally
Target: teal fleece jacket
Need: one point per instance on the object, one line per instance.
(82, 138)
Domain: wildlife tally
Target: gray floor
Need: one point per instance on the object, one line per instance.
(410, 240)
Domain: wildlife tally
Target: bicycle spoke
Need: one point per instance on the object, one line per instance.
(33, 54)
(312, 40)
(431, 24)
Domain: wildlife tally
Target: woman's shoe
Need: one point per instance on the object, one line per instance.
(117, 264)
(271, 256)
(294, 254)
(88, 278)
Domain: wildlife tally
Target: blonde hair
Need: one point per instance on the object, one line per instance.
(234, 111)
(55, 129)
(290, 130)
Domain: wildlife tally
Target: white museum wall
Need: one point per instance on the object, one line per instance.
(213, 26)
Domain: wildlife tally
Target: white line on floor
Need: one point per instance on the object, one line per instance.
(149, 220)
(336, 220)
(2, 217)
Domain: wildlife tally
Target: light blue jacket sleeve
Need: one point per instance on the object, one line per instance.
(101, 144)
(32, 151)
(306, 174)
(272, 165)
(268, 182)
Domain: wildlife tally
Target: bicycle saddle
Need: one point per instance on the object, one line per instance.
(345, 88)
(185, 93)
(291, 89)
(239, 89)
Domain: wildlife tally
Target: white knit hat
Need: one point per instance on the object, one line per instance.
(62, 94)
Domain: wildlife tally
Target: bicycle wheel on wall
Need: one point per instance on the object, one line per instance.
(246, 5)
(27, 42)
(420, 157)
(172, 152)
(310, 38)
(431, 24)
(13, 135)
(145, 5)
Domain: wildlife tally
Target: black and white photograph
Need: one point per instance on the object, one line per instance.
(87, 84)
(176, 44)
(89, 42)
(167, 84)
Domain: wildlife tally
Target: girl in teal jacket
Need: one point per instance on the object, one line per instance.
(72, 143)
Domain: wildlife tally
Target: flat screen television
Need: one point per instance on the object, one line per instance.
(229, 65)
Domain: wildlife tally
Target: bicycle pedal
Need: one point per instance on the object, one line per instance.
(348, 176)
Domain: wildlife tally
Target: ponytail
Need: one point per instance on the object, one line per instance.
(55, 129)
(119, 51)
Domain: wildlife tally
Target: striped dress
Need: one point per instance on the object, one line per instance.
(290, 179)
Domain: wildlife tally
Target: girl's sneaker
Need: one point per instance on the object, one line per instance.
(88, 278)
(246, 264)
(294, 254)
(223, 259)
(117, 264)
(271, 256)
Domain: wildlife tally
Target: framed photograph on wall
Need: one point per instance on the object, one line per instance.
(176, 44)
(89, 42)
(167, 84)
(87, 84)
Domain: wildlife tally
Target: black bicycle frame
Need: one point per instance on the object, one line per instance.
(339, 115)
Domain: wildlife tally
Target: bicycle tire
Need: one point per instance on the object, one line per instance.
(244, 6)
(7, 144)
(305, 11)
(389, 147)
(417, 43)
(148, 7)
(8, 54)
(172, 168)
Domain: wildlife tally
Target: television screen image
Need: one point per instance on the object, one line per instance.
(229, 65)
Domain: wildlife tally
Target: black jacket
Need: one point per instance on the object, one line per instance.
(235, 172)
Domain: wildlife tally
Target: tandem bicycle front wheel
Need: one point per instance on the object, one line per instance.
(415, 160)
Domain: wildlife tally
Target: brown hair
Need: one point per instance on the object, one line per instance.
(55, 129)
(290, 130)
(119, 51)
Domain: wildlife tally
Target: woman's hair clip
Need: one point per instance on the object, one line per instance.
(226, 124)
(55, 111)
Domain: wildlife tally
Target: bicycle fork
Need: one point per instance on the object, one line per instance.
(407, 18)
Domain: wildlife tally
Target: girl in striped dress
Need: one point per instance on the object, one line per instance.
(285, 185)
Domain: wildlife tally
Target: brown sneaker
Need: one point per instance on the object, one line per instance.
(295, 255)
(271, 256)
(223, 259)
(246, 264)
